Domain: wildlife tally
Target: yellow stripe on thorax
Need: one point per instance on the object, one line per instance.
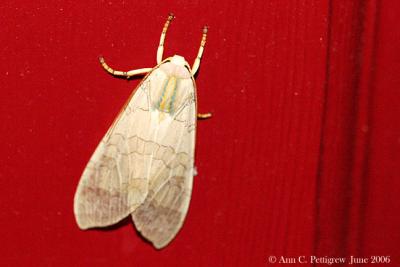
(169, 90)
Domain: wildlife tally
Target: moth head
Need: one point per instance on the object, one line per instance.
(179, 60)
(176, 66)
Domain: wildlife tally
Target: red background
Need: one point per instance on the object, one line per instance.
(301, 157)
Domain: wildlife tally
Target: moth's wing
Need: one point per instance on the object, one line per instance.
(114, 182)
(162, 213)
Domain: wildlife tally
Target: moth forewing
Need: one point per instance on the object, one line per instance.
(110, 187)
(161, 215)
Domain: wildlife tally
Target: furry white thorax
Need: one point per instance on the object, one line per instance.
(178, 60)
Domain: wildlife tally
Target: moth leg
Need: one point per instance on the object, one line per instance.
(160, 49)
(203, 116)
(126, 74)
(196, 63)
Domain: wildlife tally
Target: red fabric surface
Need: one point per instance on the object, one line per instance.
(301, 157)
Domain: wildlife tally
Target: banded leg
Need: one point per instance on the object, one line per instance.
(160, 49)
(126, 74)
(203, 116)
(196, 63)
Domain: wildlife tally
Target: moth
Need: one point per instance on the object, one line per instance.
(144, 165)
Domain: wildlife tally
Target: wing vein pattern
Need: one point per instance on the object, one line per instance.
(143, 166)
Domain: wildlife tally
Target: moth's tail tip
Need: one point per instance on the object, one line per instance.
(160, 245)
(82, 224)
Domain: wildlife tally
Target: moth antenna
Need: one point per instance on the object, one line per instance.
(160, 49)
(196, 63)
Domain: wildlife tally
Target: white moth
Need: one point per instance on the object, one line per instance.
(144, 165)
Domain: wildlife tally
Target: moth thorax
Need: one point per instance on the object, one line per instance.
(178, 60)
